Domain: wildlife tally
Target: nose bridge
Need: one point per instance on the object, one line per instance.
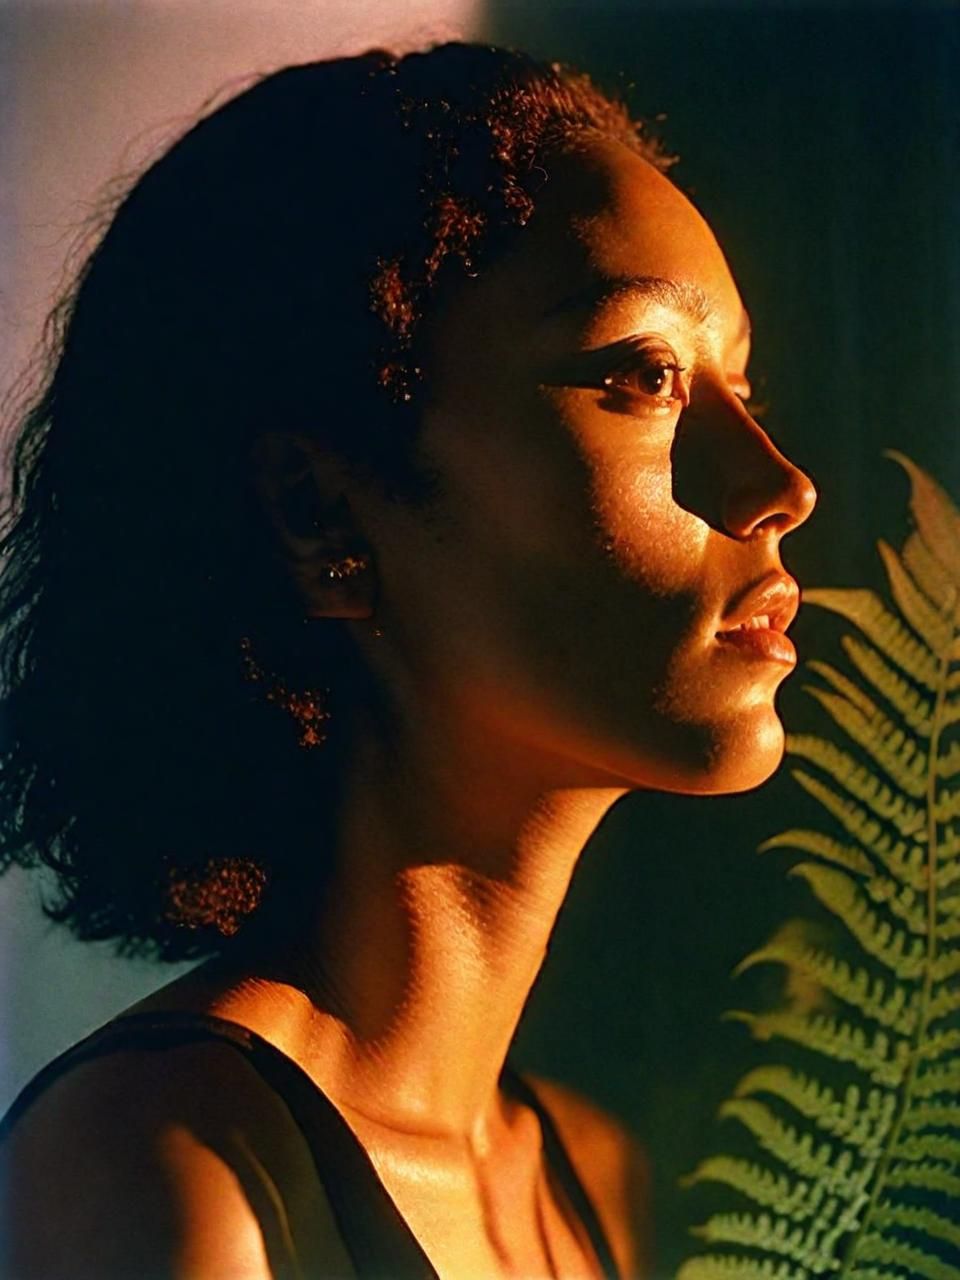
(729, 473)
(761, 487)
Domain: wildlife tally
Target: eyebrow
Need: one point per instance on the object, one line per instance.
(681, 295)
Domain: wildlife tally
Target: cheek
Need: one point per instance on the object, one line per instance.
(574, 571)
(657, 544)
(624, 470)
(516, 489)
(554, 513)
(564, 603)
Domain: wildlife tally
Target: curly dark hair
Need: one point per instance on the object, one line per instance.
(271, 270)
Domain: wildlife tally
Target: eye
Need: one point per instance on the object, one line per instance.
(643, 371)
(651, 372)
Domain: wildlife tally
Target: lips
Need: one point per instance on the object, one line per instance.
(758, 618)
(769, 605)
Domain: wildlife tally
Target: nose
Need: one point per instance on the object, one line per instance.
(729, 471)
(769, 493)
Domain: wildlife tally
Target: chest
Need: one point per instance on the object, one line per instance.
(503, 1218)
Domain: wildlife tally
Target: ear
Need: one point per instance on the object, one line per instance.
(304, 489)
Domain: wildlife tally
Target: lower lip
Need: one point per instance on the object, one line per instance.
(761, 642)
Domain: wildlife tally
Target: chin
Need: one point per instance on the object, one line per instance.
(714, 759)
(688, 756)
(744, 755)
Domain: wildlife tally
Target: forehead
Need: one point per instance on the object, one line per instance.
(605, 219)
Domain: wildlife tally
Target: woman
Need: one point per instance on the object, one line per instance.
(393, 509)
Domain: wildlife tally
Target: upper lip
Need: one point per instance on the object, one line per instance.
(776, 596)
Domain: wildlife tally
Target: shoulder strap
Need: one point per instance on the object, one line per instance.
(374, 1232)
(559, 1160)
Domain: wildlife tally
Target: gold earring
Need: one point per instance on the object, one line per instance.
(308, 707)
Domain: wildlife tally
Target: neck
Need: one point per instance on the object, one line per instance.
(402, 993)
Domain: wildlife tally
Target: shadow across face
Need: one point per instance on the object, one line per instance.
(609, 510)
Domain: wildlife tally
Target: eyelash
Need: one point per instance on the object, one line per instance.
(651, 359)
(655, 361)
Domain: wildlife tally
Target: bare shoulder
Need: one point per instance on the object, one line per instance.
(165, 1165)
(613, 1167)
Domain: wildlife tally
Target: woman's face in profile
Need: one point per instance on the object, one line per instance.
(608, 506)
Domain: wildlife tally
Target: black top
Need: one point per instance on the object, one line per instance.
(375, 1234)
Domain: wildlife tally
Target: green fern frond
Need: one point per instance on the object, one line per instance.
(904, 862)
(948, 765)
(737, 1268)
(928, 1146)
(848, 856)
(948, 908)
(861, 783)
(945, 1003)
(825, 1163)
(929, 623)
(907, 862)
(939, 1044)
(882, 1059)
(866, 610)
(902, 955)
(852, 1118)
(915, 710)
(928, 1116)
(866, 1176)
(798, 1200)
(775, 1235)
(933, 1080)
(901, 902)
(929, 573)
(916, 1263)
(875, 1273)
(925, 1175)
(899, 755)
(711, 1267)
(806, 1095)
(856, 987)
(948, 847)
(938, 521)
(843, 685)
(924, 1221)
(946, 807)
(946, 967)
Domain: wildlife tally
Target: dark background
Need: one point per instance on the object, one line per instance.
(823, 145)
